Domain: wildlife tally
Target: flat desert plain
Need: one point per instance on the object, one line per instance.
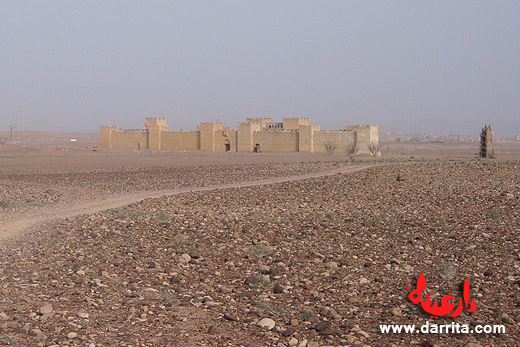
(149, 248)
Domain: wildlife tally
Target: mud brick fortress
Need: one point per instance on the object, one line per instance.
(253, 135)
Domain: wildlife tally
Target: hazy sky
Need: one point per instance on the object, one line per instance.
(411, 66)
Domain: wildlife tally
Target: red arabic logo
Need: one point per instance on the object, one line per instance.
(446, 306)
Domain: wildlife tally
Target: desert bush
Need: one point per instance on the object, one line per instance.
(163, 216)
(307, 314)
(494, 213)
(260, 251)
(447, 270)
(330, 147)
(374, 149)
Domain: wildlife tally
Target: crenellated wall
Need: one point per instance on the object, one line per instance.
(293, 135)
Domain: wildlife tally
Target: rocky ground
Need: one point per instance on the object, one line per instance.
(21, 190)
(317, 262)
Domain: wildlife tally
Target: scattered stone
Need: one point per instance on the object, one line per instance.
(331, 265)
(264, 269)
(473, 344)
(288, 332)
(185, 258)
(266, 323)
(322, 325)
(275, 271)
(46, 309)
(277, 288)
(212, 330)
(507, 318)
(362, 333)
(230, 318)
(396, 311)
(195, 255)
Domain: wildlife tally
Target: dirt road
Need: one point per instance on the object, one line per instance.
(37, 217)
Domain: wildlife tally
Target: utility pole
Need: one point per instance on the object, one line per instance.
(11, 127)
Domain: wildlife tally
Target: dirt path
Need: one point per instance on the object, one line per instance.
(15, 227)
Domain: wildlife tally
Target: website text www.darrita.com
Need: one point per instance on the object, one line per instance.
(453, 328)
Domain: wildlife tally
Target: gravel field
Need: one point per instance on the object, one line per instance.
(325, 259)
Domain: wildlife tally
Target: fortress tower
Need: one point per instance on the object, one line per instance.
(155, 127)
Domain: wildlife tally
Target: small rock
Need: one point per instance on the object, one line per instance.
(303, 343)
(330, 331)
(185, 258)
(328, 312)
(324, 324)
(354, 299)
(331, 265)
(46, 309)
(72, 335)
(225, 290)
(266, 323)
(83, 315)
(277, 288)
(288, 332)
(473, 344)
(80, 273)
(264, 269)
(397, 312)
(363, 281)
(507, 318)
(194, 255)
(212, 330)
(361, 333)
(275, 271)
(230, 318)
(293, 342)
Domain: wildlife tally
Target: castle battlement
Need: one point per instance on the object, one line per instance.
(293, 134)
